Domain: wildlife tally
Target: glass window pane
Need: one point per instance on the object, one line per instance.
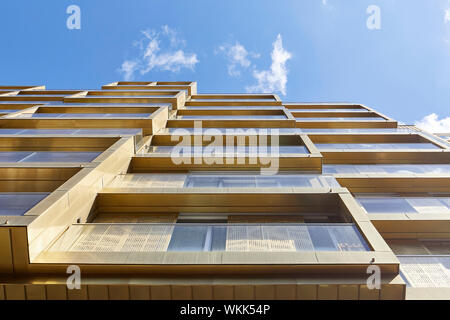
(50, 156)
(13, 156)
(188, 238)
(386, 205)
(428, 205)
(16, 204)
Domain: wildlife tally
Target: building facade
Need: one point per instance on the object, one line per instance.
(149, 190)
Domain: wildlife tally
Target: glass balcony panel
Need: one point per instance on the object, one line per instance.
(16, 203)
(10, 131)
(187, 151)
(386, 205)
(356, 130)
(83, 115)
(298, 118)
(428, 205)
(13, 156)
(445, 201)
(108, 131)
(230, 117)
(189, 238)
(391, 169)
(231, 180)
(62, 156)
(329, 110)
(376, 146)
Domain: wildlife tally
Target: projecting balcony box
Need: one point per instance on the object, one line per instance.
(234, 100)
(22, 188)
(149, 118)
(379, 149)
(37, 95)
(405, 206)
(51, 151)
(175, 98)
(189, 87)
(326, 107)
(338, 116)
(228, 152)
(347, 247)
(232, 117)
(424, 267)
(41, 199)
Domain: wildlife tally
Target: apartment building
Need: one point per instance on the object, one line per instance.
(150, 190)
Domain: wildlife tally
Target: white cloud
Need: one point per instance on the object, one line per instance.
(237, 56)
(128, 68)
(275, 79)
(431, 123)
(324, 2)
(159, 50)
(447, 15)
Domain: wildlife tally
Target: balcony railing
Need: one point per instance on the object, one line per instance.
(243, 180)
(425, 271)
(209, 237)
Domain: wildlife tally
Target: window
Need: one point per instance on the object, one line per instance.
(16, 204)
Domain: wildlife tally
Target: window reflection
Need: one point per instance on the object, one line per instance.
(47, 156)
(392, 169)
(407, 205)
(16, 203)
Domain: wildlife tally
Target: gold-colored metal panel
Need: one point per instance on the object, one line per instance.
(139, 292)
(265, 292)
(202, 292)
(78, 294)
(119, 292)
(20, 253)
(327, 292)
(307, 291)
(223, 292)
(98, 292)
(182, 292)
(244, 292)
(35, 292)
(160, 292)
(56, 291)
(14, 291)
(365, 293)
(392, 292)
(6, 259)
(285, 292)
(348, 292)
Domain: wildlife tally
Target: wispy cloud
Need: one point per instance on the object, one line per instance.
(237, 56)
(432, 123)
(159, 50)
(275, 79)
(447, 15)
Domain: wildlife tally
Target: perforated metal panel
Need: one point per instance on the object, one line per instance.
(161, 237)
(117, 238)
(426, 271)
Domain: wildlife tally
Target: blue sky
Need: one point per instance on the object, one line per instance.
(311, 50)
